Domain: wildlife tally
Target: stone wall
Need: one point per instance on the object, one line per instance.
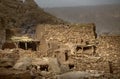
(106, 57)
(109, 49)
(66, 42)
(61, 34)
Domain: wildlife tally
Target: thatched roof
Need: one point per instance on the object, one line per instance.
(23, 39)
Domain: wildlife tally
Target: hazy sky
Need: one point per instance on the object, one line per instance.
(62, 3)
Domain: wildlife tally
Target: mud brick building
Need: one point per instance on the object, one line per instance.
(77, 47)
(67, 42)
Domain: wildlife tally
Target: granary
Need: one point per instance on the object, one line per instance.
(22, 42)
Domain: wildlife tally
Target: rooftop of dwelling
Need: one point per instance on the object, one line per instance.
(23, 39)
(70, 25)
(81, 25)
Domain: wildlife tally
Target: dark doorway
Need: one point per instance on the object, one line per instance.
(78, 48)
(66, 55)
(30, 45)
(86, 48)
(44, 67)
(21, 45)
(71, 66)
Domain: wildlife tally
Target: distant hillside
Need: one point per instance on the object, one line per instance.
(16, 13)
(24, 15)
(106, 17)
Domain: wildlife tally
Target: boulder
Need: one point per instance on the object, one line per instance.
(23, 63)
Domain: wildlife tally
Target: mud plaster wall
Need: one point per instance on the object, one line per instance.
(8, 45)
